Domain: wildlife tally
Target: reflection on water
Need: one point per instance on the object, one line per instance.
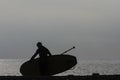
(11, 67)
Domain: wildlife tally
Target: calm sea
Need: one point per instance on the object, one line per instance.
(10, 67)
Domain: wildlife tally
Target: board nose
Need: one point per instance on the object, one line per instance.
(72, 62)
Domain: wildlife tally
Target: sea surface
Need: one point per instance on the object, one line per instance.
(10, 67)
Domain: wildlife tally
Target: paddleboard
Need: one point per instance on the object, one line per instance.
(55, 64)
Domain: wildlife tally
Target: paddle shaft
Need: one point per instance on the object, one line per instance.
(68, 50)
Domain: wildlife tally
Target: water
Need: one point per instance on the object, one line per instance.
(10, 67)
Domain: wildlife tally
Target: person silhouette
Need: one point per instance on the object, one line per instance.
(43, 53)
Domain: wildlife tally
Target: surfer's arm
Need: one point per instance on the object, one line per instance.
(49, 53)
(34, 55)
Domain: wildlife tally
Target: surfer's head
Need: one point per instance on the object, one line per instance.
(39, 44)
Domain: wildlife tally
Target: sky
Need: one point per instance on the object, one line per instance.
(92, 26)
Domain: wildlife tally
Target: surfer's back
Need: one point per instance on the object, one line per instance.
(43, 51)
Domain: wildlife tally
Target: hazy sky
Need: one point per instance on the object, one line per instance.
(93, 26)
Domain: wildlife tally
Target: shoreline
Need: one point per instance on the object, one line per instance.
(69, 77)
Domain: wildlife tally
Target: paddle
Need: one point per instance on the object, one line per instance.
(67, 50)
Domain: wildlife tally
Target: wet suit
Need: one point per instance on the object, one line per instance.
(43, 52)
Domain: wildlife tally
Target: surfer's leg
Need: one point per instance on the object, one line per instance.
(44, 67)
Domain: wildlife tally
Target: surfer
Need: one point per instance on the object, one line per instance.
(43, 52)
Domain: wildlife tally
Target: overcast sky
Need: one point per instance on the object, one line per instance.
(93, 26)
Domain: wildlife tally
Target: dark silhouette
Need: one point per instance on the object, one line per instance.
(43, 52)
(47, 64)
